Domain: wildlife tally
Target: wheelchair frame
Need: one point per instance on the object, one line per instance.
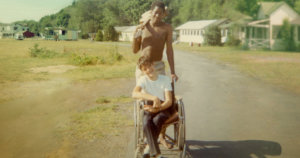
(179, 129)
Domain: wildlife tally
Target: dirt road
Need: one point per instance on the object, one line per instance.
(230, 115)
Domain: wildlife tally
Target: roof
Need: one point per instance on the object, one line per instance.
(196, 24)
(269, 7)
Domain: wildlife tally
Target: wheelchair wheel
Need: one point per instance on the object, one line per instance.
(181, 125)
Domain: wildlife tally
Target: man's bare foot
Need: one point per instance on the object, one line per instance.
(165, 143)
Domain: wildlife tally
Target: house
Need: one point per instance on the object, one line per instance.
(9, 30)
(193, 31)
(264, 32)
(125, 32)
(60, 34)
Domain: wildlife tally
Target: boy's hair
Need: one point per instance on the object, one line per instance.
(158, 4)
(144, 61)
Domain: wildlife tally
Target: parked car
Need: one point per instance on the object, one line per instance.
(19, 37)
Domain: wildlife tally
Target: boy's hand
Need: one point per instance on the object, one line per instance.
(156, 102)
(151, 109)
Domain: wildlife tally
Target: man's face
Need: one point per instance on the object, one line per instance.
(157, 14)
(148, 70)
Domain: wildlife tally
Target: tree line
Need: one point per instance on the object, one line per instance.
(90, 16)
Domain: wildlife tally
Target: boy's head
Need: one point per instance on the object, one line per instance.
(144, 62)
(158, 11)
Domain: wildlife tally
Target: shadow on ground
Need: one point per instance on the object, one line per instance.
(233, 149)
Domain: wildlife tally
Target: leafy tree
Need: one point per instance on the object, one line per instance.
(286, 35)
(99, 36)
(110, 34)
(212, 36)
(63, 19)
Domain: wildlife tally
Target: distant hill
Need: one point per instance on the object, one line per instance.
(92, 15)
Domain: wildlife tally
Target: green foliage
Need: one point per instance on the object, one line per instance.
(286, 35)
(63, 19)
(99, 36)
(84, 59)
(212, 36)
(85, 36)
(42, 52)
(248, 7)
(110, 34)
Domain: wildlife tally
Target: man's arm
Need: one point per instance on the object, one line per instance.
(170, 52)
(137, 41)
(167, 103)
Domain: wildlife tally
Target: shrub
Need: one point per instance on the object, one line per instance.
(115, 56)
(85, 60)
(212, 36)
(85, 36)
(99, 36)
(42, 52)
(286, 34)
(110, 34)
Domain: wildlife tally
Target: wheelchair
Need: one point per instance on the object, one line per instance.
(177, 119)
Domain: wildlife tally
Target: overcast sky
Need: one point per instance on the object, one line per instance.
(15, 10)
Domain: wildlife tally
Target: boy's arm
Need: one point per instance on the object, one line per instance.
(168, 101)
(137, 94)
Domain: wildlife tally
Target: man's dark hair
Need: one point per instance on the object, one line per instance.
(158, 4)
(144, 61)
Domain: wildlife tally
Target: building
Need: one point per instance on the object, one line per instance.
(125, 32)
(193, 31)
(10, 30)
(60, 34)
(264, 32)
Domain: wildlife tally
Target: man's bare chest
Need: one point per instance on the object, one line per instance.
(155, 33)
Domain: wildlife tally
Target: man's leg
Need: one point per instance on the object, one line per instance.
(151, 133)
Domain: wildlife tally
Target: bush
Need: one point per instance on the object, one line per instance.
(115, 56)
(85, 36)
(212, 36)
(286, 34)
(42, 52)
(232, 41)
(99, 36)
(110, 34)
(84, 59)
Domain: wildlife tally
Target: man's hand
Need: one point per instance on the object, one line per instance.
(174, 77)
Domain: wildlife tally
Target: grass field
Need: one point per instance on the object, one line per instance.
(279, 68)
(75, 95)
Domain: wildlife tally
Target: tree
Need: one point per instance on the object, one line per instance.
(99, 36)
(63, 19)
(110, 34)
(212, 36)
(286, 35)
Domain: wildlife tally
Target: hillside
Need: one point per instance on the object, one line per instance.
(92, 15)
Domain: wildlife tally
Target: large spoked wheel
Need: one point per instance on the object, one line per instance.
(139, 142)
(181, 125)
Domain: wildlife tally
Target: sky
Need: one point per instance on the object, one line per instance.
(16, 10)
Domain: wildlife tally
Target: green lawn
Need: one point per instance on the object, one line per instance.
(279, 68)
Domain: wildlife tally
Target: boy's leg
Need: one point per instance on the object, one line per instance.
(151, 133)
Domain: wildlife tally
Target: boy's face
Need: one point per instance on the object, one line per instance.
(157, 14)
(149, 71)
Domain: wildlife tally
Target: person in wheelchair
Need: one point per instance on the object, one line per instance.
(156, 90)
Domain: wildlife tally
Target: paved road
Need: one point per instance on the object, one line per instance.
(230, 115)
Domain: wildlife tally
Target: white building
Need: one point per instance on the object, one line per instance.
(9, 30)
(193, 31)
(264, 32)
(125, 32)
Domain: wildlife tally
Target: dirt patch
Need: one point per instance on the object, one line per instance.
(53, 69)
(31, 125)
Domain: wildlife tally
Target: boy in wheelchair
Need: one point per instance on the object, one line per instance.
(156, 90)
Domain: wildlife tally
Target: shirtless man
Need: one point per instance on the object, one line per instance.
(155, 35)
